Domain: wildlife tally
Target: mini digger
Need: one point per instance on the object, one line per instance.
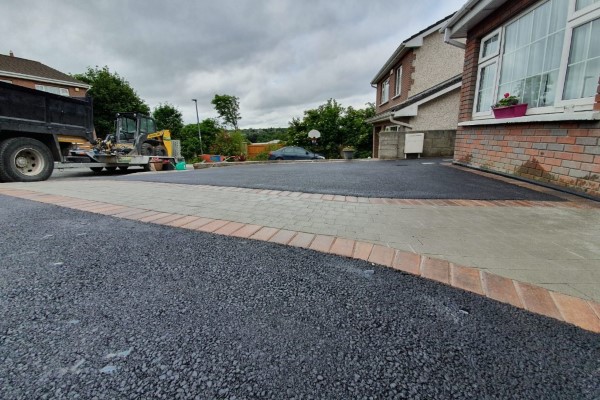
(135, 142)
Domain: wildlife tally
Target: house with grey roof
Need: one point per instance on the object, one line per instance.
(418, 91)
(35, 75)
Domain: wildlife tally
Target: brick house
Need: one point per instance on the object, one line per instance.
(547, 53)
(418, 90)
(35, 75)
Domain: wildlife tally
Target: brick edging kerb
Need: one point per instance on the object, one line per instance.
(579, 312)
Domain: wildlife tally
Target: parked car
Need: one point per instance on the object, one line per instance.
(294, 153)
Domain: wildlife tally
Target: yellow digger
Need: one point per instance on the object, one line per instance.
(135, 142)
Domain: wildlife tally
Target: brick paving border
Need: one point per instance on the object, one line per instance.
(579, 312)
(568, 200)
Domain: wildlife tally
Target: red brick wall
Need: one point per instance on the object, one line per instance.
(408, 69)
(31, 84)
(561, 154)
(565, 154)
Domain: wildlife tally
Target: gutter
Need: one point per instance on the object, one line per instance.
(452, 42)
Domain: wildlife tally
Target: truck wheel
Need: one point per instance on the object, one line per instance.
(160, 151)
(25, 160)
(4, 177)
(123, 168)
(97, 169)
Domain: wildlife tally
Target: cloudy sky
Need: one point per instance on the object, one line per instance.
(279, 57)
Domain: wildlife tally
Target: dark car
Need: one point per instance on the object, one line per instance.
(294, 153)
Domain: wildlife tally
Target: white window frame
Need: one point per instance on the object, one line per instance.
(385, 84)
(63, 91)
(5, 81)
(479, 69)
(574, 20)
(398, 82)
(487, 37)
(591, 13)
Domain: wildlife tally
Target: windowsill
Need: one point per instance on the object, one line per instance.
(574, 116)
(396, 96)
(384, 103)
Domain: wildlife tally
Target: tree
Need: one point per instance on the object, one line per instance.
(111, 94)
(339, 127)
(228, 108)
(168, 117)
(190, 142)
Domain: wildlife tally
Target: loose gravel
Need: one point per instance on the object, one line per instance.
(97, 307)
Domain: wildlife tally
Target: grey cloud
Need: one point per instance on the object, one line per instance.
(278, 56)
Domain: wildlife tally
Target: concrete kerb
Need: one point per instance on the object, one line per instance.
(582, 313)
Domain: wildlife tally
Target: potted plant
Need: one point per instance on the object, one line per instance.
(509, 107)
(348, 152)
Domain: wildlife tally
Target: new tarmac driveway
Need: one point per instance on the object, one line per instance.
(404, 179)
(99, 307)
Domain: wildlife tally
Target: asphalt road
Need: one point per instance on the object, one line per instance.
(405, 179)
(96, 307)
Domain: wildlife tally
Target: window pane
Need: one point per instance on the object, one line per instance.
(595, 40)
(548, 89)
(510, 37)
(486, 87)
(531, 91)
(554, 51)
(574, 81)
(490, 46)
(558, 16)
(541, 20)
(579, 44)
(590, 80)
(536, 58)
(584, 3)
(584, 62)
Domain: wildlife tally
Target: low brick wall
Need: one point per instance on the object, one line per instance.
(565, 154)
(436, 144)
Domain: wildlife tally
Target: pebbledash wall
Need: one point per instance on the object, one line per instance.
(563, 153)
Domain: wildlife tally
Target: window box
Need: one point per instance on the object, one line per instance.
(510, 111)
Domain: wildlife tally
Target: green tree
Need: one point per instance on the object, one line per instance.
(339, 127)
(168, 117)
(228, 143)
(190, 142)
(111, 94)
(228, 108)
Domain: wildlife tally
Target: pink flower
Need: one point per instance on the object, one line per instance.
(506, 95)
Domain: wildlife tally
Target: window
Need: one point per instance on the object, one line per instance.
(548, 57)
(583, 69)
(5, 81)
(53, 89)
(398, 89)
(385, 91)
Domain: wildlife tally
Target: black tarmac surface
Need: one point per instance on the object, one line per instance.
(96, 307)
(405, 179)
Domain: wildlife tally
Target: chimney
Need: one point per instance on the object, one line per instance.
(11, 53)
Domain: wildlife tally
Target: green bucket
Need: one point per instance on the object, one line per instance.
(180, 166)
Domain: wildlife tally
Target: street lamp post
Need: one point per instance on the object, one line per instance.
(198, 122)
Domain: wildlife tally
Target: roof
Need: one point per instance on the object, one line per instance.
(413, 41)
(34, 70)
(472, 13)
(422, 97)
